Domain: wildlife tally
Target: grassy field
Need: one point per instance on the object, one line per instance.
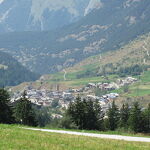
(14, 138)
(146, 77)
(142, 88)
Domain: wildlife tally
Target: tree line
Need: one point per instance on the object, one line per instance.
(21, 112)
(84, 114)
(110, 69)
(88, 115)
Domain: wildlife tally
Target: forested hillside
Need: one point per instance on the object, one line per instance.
(108, 28)
(12, 72)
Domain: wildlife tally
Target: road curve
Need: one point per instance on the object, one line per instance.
(106, 136)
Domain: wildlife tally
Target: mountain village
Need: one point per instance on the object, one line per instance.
(43, 97)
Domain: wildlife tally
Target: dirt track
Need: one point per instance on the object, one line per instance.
(106, 136)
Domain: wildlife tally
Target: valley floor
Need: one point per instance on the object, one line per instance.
(14, 138)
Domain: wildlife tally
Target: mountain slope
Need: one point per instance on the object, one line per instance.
(111, 26)
(12, 73)
(29, 15)
(131, 60)
(136, 52)
(91, 69)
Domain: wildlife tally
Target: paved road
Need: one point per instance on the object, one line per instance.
(106, 136)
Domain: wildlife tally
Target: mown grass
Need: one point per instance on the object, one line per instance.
(139, 92)
(14, 138)
(146, 77)
(140, 88)
(73, 81)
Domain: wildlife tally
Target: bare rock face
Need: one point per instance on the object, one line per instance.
(29, 15)
(93, 4)
(41, 15)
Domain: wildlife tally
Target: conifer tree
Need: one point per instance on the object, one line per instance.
(146, 120)
(5, 108)
(75, 110)
(124, 116)
(86, 114)
(23, 112)
(94, 115)
(113, 116)
(135, 119)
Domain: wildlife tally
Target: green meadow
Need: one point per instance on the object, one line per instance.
(14, 138)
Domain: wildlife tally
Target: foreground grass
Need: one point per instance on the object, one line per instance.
(14, 138)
